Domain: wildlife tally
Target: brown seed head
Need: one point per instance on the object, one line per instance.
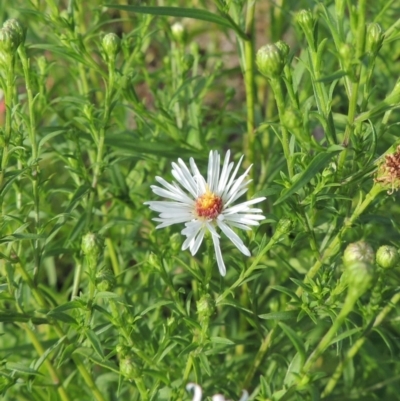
(389, 171)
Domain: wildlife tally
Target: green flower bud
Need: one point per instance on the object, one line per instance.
(92, 246)
(387, 257)
(178, 32)
(175, 242)
(9, 41)
(105, 280)
(187, 62)
(359, 277)
(374, 38)
(283, 227)
(111, 45)
(359, 251)
(17, 28)
(284, 48)
(270, 61)
(305, 19)
(205, 307)
(127, 368)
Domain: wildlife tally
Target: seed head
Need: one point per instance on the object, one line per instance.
(388, 174)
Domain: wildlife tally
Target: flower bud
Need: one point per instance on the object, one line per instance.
(19, 31)
(359, 251)
(105, 280)
(205, 307)
(175, 242)
(178, 32)
(9, 41)
(374, 38)
(305, 19)
(270, 61)
(91, 246)
(359, 278)
(284, 48)
(387, 257)
(128, 368)
(283, 227)
(187, 62)
(111, 45)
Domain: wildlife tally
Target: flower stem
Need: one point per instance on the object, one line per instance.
(280, 103)
(357, 346)
(249, 74)
(334, 246)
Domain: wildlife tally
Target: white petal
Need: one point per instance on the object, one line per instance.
(236, 185)
(245, 396)
(237, 218)
(231, 180)
(218, 254)
(176, 195)
(197, 391)
(234, 238)
(190, 232)
(200, 182)
(196, 244)
(168, 222)
(242, 206)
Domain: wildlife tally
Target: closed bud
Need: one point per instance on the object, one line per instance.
(387, 257)
(374, 38)
(205, 307)
(270, 61)
(305, 19)
(128, 368)
(359, 277)
(91, 246)
(283, 227)
(111, 45)
(284, 48)
(187, 62)
(105, 280)
(17, 28)
(9, 41)
(359, 251)
(178, 32)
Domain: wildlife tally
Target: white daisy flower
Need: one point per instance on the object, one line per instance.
(198, 393)
(207, 205)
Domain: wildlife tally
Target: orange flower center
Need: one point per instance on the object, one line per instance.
(208, 206)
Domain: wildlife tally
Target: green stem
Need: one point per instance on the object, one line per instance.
(351, 299)
(280, 103)
(52, 371)
(249, 80)
(334, 246)
(35, 167)
(357, 346)
(9, 101)
(77, 360)
(360, 47)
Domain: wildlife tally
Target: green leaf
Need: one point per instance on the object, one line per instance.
(22, 369)
(221, 340)
(286, 291)
(316, 165)
(296, 341)
(94, 340)
(283, 315)
(62, 317)
(180, 12)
